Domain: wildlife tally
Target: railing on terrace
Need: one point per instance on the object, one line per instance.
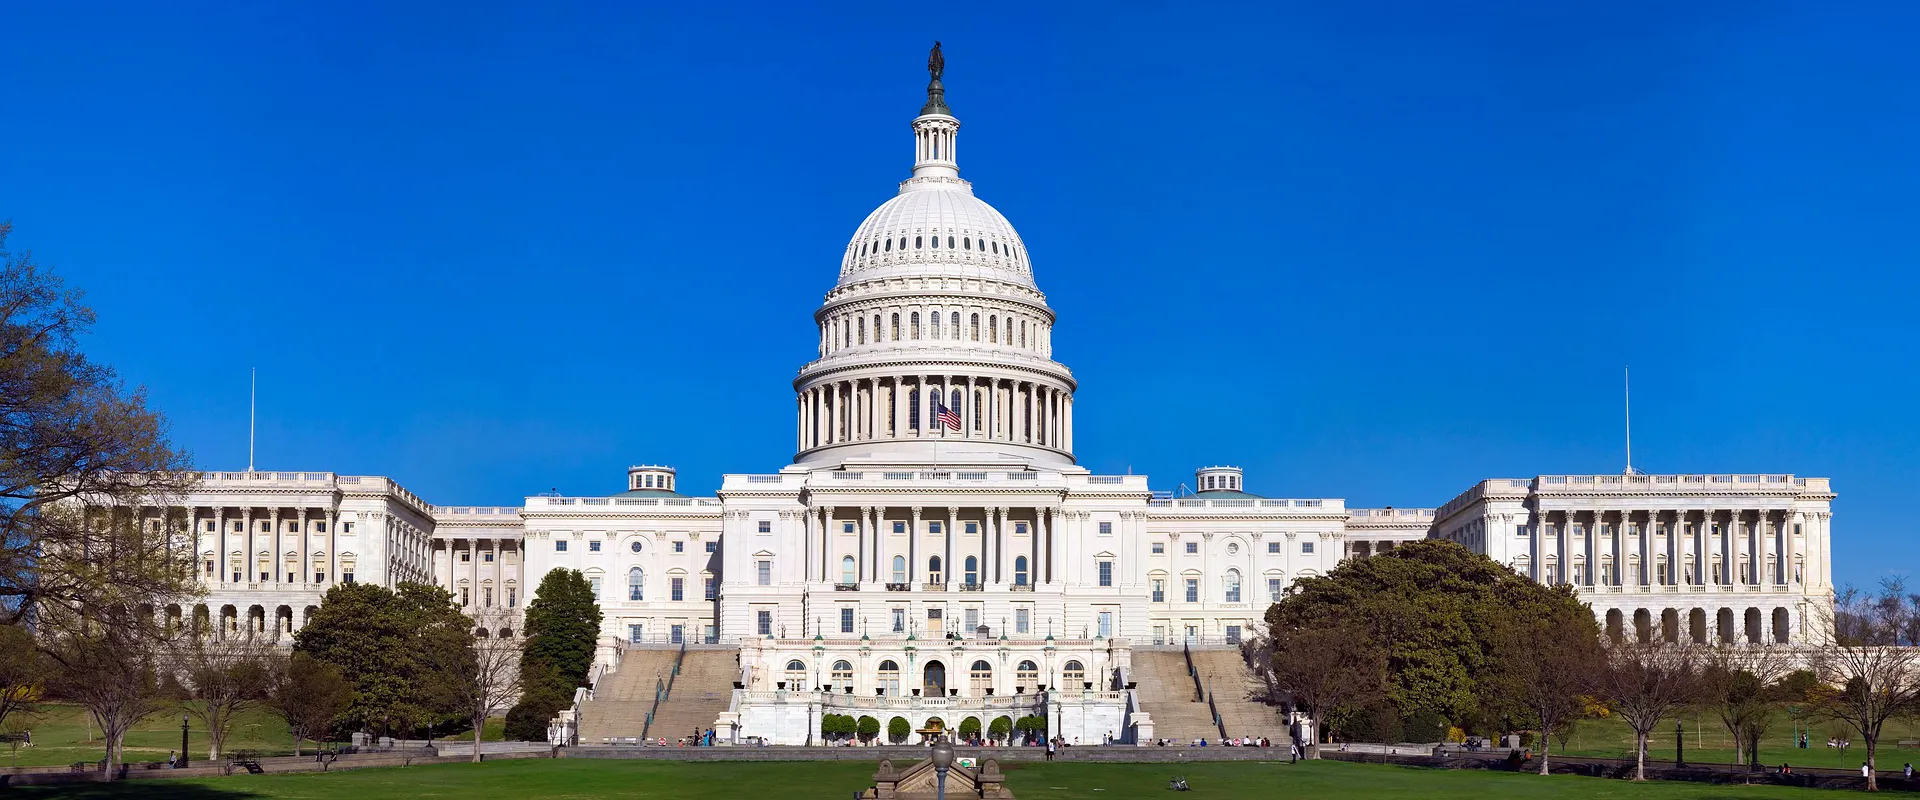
(846, 587)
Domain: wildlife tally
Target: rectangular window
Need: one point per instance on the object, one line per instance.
(1106, 624)
(766, 526)
(765, 572)
(347, 577)
(1106, 573)
(973, 619)
(933, 527)
(713, 547)
(679, 588)
(899, 527)
(1159, 548)
(1233, 634)
(318, 527)
(1159, 591)
(679, 547)
(593, 546)
(1273, 589)
(1106, 528)
(210, 524)
(513, 597)
(846, 619)
(560, 546)
(595, 583)
(677, 634)
(1193, 590)
(265, 576)
(899, 620)
(465, 600)
(486, 597)
(1022, 619)
(1020, 528)
(973, 527)
(1306, 547)
(1273, 548)
(636, 634)
(711, 591)
(764, 622)
(346, 527)
(466, 556)
(846, 527)
(1193, 548)
(486, 557)
(318, 577)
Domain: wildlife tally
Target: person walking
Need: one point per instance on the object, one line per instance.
(1907, 771)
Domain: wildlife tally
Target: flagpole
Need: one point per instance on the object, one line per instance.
(253, 392)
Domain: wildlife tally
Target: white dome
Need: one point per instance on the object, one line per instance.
(973, 240)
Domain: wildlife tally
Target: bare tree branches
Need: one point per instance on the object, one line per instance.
(114, 673)
(1328, 667)
(222, 678)
(1870, 677)
(481, 680)
(1646, 682)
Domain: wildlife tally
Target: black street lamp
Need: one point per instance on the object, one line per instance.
(182, 761)
(1679, 745)
(942, 760)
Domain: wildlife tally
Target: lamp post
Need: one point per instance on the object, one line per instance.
(1679, 745)
(182, 762)
(942, 759)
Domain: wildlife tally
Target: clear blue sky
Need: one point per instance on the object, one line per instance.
(1366, 250)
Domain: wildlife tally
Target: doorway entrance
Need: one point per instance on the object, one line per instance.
(934, 680)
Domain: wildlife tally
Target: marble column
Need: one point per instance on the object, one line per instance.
(913, 546)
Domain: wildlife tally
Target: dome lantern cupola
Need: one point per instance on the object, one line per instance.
(1217, 479)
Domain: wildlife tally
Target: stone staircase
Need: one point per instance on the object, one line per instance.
(1166, 694)
(700, 695)
(622, 698)
(1235, 689)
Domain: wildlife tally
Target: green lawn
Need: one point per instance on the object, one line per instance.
(579, 779)
(1709, 742)
(63, 734)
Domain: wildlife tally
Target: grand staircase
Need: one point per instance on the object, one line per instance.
(1236, 695)
(698, 695)
(1166, 693)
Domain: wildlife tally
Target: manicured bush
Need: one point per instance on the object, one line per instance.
(898, 729)
(970, 727)
(1000, 728)
(869, 727)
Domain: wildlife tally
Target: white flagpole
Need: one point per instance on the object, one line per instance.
(1626, 377)
(253, 391)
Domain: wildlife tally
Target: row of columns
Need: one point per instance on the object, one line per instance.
(496, 571)
(937, 324)
(870, 409)
(1758, 534)
(223, 540)
(995, 550)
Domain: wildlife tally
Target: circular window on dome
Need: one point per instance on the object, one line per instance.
(916, 242)
(635, 547)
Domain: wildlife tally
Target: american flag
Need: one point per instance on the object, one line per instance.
(945, 416)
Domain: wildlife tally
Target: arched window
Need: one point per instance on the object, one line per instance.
(955, 405)
(995, 247)
(916, 242)
(993, 329)
(796, 674)
(863, 251)
(949, 243)
(1020, 571)
(636, 584)
(936, 242)
(933, 325)
(980, 678)
(1233, 586)
(843, 672)
(889, 245)
(896, 328)
(976, 327)
(913, 409)
(933, 570)
(966, 243)
(1027, 674)
(1073, 674)
(913, 325)
(1023, 333)
(899, 569)
(890, 677)
(862, 326)
(956, 325)
(846, 570)
(973, 570)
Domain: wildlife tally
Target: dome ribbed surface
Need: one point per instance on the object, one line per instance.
(976, 241)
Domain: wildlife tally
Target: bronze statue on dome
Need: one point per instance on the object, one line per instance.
(936, 63)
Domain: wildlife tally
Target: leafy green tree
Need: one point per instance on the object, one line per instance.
(386, 644)
(543, 698)
(970, 727)
(23, 673)
(1000, 728)
(309, 695)
(898, 729)
(562, 628)
(1546, 660)
(869, 727)
(1034, 724)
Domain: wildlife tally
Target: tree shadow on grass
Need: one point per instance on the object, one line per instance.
(118, 790)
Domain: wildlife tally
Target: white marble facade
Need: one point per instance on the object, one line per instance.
(933, 512)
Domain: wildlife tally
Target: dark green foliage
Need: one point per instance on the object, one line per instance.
(999, 728)
(542, 701)
(1425, 726)
(1797, 686)
(563, 628)
(898, 729)
(869, 727)
(970, 727)
(385, 644)
(1033, 724)
(1446, 619)
(837, 725)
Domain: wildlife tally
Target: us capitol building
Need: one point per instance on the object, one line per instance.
(933, 549)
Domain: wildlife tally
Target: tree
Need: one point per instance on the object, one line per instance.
(221, 678)
(1873, 678)
(82, 457)
(386, 643)
(480, 677)
(1648, 681)
(309, 694)
(969, 727)
(446, 685)
(1000, 728)
(869, 728)
(112, 672)
(1547, 658)
(562, 628)
(543, 698)
(1033, 725)
(898, 729)
(1737, 684)
(23, 672)
(1330, 667)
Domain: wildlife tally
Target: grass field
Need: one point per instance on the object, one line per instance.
(63, 734)
(583, 779)
(1709, 742)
